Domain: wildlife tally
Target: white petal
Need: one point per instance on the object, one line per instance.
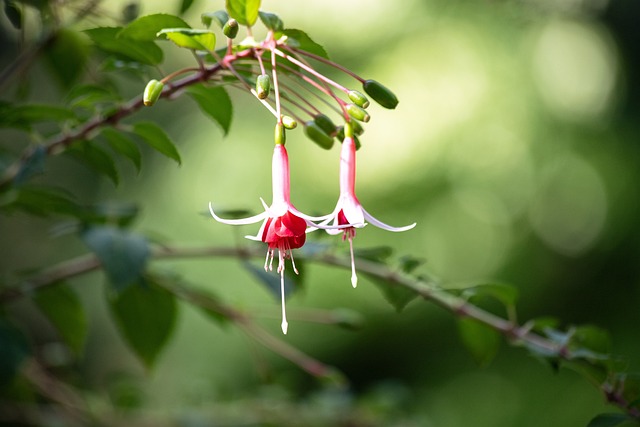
(242, 221)
(384, 226)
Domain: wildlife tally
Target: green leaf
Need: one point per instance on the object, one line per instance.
(96, 159)
(219, 16)
(409, 263)
(145, 315)
(591, 338)
(300, 40)
(121, 214)
(397, 296)
(608, 420)
(378, 254)
(23, 116)
(64, 309)
(506, 294)
(271, 280)
(190, 38)
(153, 135)
(214, 102)
(243, 11)
(480, 340)
(271, 21)
(145, 52)
(89, 96)
(13, 350)
(44, 201)
(14, 14)
(146, 27)
(67, 57)
(34, 165)
(123, 145)
(123, 254)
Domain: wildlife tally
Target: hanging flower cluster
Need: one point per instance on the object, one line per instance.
(278, 72)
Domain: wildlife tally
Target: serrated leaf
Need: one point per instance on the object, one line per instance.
(480, 340)
(243, 11)
(123, 145)
(64, 309)
(397, 296)
(106, 38)
(153, 135)
(271, 21)
(190, 38)
(146, 27)
(608, 420)
(123, 254)
(300, 40)
(219, 16)
(14, 14)
(215, 103)
(271, 280)
(67, 57)
(14, 350)
(145, 315)
(96, 159)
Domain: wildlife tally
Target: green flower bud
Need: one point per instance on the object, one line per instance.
(357, 113)
(380, 94)
(152, 92)
(357, 127)
(325, 124)
(289, 122)
(359, 99)
(263, 86)
(280, 136)
(230, 28)
(317, 135)
(340, 137)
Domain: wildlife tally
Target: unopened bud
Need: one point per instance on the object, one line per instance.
(359, 99)
(280, 136)
(289, 122)
(317, 135)
(357, 127)
(263, 86)
(230, 28)
(152, 92)
(380, 94)
(357, 113)
(325, 124)
(340, 136)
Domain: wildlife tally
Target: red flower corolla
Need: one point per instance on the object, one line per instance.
(284, 227)
(349, 213)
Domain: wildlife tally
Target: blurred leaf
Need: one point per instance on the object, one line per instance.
(506, 294)
(592, 338)
(123, 254)
(44, 201)
(23, 116)
(123, 145)
(271, 280)
(95, 158)
(300, 40)
(608, 420)
(596, 371)
(14, 14)
(146, 27)
(378, 254)
(271, 21)
(409, 263)
(243, 11)
(145, 52)
(145, 315)
(397, 296)
(118, 213)
(185, 5)
(13, 350)
(87, 96)
(130, 11)
(125, 392)
(153, 135)
(219, 16)
(214, 102)
(190, 38)
(34, 165)
(67, 56)
(64, 309)
(480, 340)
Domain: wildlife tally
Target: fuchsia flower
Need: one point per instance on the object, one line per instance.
(348, 211)
(284, 227)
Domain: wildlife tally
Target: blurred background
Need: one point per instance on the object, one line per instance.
(515, 148)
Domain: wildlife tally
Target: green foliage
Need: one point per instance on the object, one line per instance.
(271, 21)
(243, 11)
(109, 40)
(301, 40)
(215, 103)
(123, 145)
(271, 280)
(608, 420)
(146, 315)
(220, 17)
(13, 350)
(67, 56)
(96, 159)
(190, 38)
(157, 139)
(64, 309)
(25, 116)
(123, 254)
(147, 27)
(480, 340)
